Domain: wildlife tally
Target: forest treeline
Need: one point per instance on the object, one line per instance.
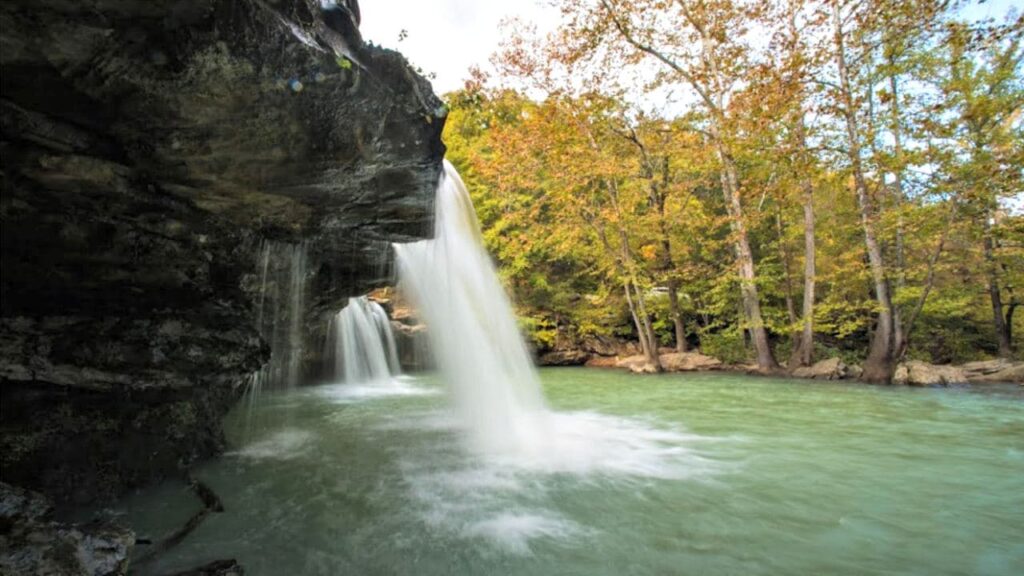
(773, 181)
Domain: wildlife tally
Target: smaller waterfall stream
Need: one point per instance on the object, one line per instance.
(360, 344)
(281, 309)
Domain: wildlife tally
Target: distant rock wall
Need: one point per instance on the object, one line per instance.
(148, 150)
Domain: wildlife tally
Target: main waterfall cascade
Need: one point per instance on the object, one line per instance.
(472, 328)
(496, 389)
(360, 345)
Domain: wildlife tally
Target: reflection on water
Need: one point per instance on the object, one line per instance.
(674, 474)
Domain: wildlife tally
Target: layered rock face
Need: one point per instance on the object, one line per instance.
(149, 151)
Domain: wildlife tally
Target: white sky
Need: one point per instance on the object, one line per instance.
(447, 37)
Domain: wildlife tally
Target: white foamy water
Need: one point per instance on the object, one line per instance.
(513, 531)
(380, 388)
(285, 444)
(509, 500)
(360, 344)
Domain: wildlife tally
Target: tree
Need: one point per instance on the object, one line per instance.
(698, 45)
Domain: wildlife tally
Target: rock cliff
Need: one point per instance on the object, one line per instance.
(149, 151)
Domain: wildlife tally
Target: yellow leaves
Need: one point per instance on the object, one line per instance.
(649, 252)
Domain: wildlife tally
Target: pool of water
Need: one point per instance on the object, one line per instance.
(674, 474)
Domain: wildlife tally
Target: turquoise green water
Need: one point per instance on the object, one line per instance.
(706, 474)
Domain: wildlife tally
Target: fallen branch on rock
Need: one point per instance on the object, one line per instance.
(211, 503)
(215, 568)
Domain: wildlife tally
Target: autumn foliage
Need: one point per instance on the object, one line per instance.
(774, 182)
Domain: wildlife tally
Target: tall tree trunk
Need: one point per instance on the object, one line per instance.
(904, 342)
(642, 321)
(645, 321)
(677, 317)
(658, 194)
(803, 351)
(900, 335)
(787, 274)
(1009, 322)
(640, 332)
(879, 364)
(1002, 328)
(745, 263)
(803, 346)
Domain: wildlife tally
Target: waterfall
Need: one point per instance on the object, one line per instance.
(360, 344)
(472, 329)
(280, 312)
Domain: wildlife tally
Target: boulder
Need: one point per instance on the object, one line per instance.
(643, 368)
(32, 543)
(830, 369)
(629, 362)
(603, 362)
(1000, 370)
(854, 371)
(637, 364)
(600, 345)
(608, 346)
(688, 361)
(918, 373)
(563, 358)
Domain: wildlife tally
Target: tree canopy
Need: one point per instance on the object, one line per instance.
(771, 181)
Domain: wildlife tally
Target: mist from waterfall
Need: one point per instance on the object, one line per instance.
(360, 345)
(472, 328)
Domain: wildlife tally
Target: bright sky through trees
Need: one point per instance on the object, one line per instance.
(447, 37)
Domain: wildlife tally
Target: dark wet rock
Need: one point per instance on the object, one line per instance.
(608, 346)
(601, 345)
(149, 150)
(32, 543)
(19, 506)
(572, 350)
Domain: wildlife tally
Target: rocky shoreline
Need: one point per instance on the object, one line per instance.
(613, 353)
(623, 356)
